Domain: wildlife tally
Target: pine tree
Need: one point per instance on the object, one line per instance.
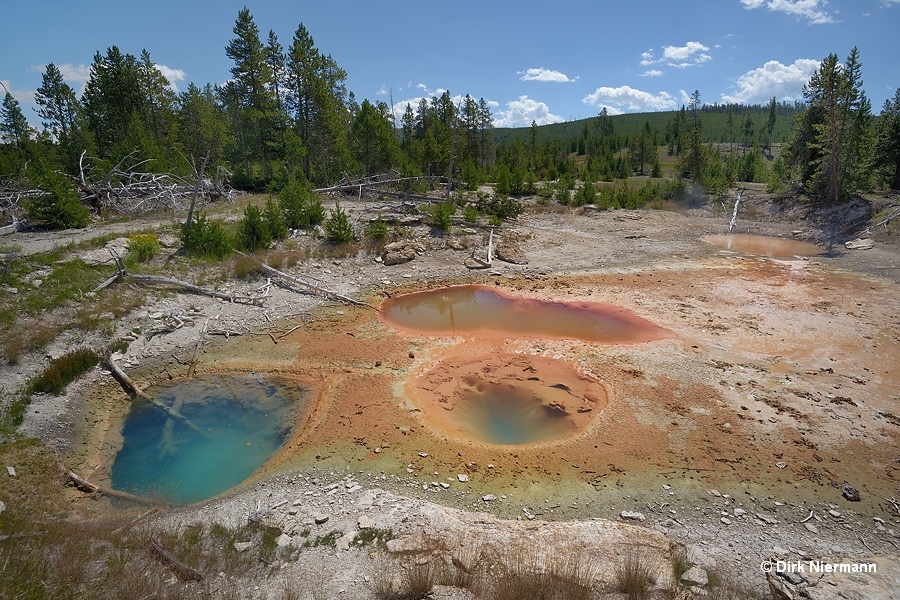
(251, 89)
(14, 127)
(887, 142)
(832, 141)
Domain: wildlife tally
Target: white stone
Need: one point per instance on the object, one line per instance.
(695, 576)
(462, 477)
(365, 522)
(320, 518)
(632, 516)
(811, 528)
(489, 498)
(243, 546)
(714, 493)
(283, 540)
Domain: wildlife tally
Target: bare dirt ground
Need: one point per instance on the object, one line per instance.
(779, 386)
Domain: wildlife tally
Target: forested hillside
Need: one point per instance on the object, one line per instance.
(287, 117)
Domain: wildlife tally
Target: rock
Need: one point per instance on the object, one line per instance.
(767, 519)
(834, 513)
(462, 478)
(320, 518)
(11, 471)
(811, 528)
(365, 522)
(632, 516)
(489, 498)
(283, 540)
(695, 576)
(243, 546)
(714, 493)
(343, 542)
(509, 251)
(860, 244)
(739, 512)
(397, 253)
(850, 493)
(725, 521)
(778, 550)
(2, 507)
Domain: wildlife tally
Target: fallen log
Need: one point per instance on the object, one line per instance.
(84, 485)
(182, 570)
(122, 273)
(306, 284)
(130, 386)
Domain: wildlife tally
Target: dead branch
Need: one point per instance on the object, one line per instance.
(122, 273)
(130, 386)
(483, 264)
(182, 570)
(196, 356)
(86, 486)
(305, 284)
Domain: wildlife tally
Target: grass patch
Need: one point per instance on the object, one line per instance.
(634, 575)
(64, 370)
(329, 540)
(373, 535)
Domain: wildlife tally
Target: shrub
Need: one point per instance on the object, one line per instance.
(338, 229)
(64, 370)
(470, 213)
(378, 230)
(60, 208)
(293, 199)
(441, 214)
(202, 237)
(315, 212)
(274, 220)
(142, 247)
(253, 233)
(502, 207)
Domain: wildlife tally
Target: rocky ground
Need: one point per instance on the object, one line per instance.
(736, 437)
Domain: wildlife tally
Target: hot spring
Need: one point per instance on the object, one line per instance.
(213, 433)
(766, 246)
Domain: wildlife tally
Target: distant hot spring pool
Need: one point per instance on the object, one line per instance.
(216, 432)
(486, 395)
(484, 312)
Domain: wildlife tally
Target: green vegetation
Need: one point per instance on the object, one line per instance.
(205, 238)
(338, 229)
(441, 214)
(141, 248)
(64, 370)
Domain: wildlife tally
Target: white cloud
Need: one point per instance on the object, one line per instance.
(400, 105)
(627, 98)
(812, 10)
(21, 96)
(681, 53)
(382, 91)
(784, 82)
(521, 112)
(172, 75)
(543, 74)
(74, 73)
(689, 55)
(652, 73)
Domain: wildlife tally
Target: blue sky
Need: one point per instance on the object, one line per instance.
(529, 60)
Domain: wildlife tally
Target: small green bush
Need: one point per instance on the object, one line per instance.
(338, 229)
(293, 199)
(253, 234)
(63, 371)
(205, 238)
(142, 247)
(378, 230)
(60, 208)
(315, 212)
(441, 214)
(470, 213)
(274, 220)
